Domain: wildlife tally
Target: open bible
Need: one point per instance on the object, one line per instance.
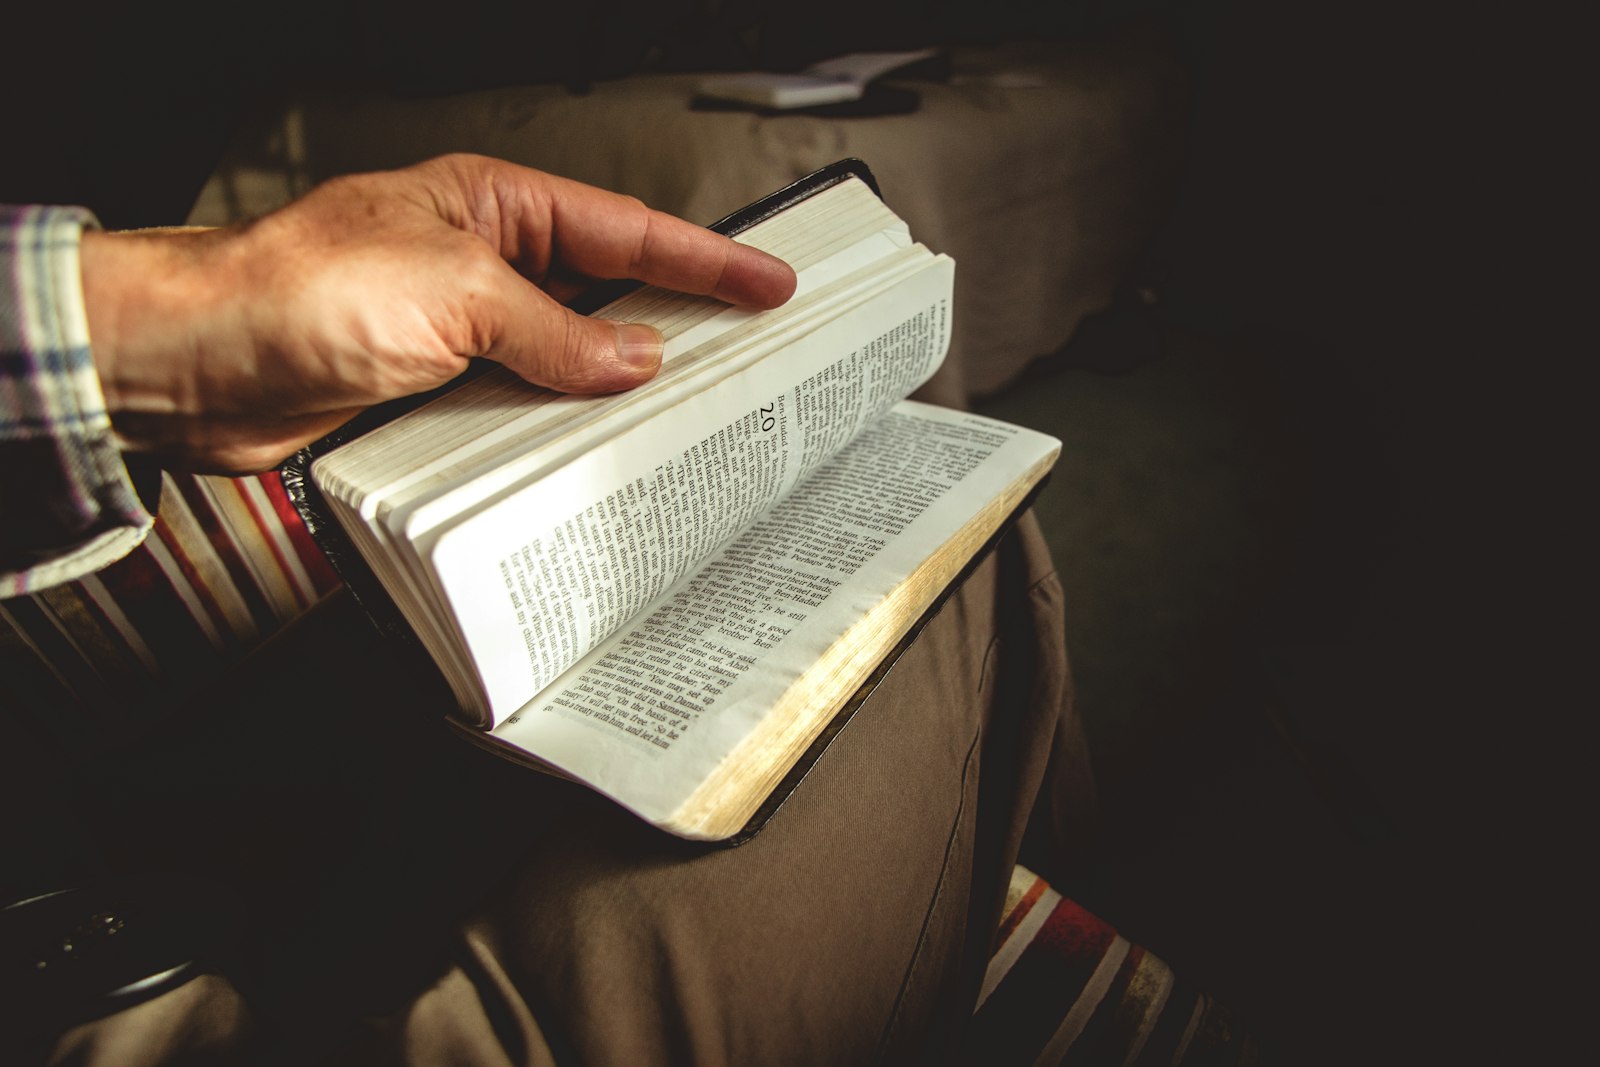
(669, 594)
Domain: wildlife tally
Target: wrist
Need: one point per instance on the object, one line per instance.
(150, 298)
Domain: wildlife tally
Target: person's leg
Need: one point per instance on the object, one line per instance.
(854, 928)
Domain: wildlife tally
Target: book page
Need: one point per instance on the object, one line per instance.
(400, 488)
(651, 713)
(539, 578)
(403, 518)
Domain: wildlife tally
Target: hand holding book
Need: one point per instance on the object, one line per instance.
(227, 349)
(672, 594)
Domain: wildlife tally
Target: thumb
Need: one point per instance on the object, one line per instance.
(553, 346)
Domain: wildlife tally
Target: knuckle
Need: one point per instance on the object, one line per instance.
(577, 356)
(645, 225)
(477, 265)
(717, 272)
(353, 186)
(449, 163)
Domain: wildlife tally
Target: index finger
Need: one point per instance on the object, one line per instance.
(600, 234)
(604, 235)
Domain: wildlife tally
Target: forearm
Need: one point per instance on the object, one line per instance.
(180, 370)
(225, 350)
(140, 290)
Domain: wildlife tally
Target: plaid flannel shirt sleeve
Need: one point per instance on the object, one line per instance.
(67, 504)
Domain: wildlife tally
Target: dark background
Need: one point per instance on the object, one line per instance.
(1324, 219)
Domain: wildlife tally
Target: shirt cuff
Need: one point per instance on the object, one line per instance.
(70, 505)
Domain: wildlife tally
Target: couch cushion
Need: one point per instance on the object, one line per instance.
(1042, 168)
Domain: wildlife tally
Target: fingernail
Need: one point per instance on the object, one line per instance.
(638, 345)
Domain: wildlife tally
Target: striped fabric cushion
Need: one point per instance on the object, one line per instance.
(1064, 987)
(228, 563)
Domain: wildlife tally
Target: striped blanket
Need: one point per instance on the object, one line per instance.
(1063, 987)
(228, 563)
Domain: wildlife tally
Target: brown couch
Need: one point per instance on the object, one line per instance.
(1041, 167)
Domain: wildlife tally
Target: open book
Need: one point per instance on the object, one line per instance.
(668, 594)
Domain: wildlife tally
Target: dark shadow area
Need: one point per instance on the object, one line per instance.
(1278, 566)
(1273, 589)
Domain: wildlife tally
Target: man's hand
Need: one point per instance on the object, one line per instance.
(225, 350)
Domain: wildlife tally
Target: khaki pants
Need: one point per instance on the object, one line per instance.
(853, 929)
